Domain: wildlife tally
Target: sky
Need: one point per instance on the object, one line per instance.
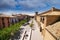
(27, 6)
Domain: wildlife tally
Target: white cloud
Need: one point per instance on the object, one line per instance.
(28, 13)
(18, 12)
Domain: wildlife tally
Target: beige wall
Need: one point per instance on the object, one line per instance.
(48, 36)
(38, 18)
(43, 25)
(49, 20)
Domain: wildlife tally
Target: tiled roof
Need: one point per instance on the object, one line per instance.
(55, 29)
(52, 11)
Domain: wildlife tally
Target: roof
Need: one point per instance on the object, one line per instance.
(54, 29)
(6, 16)
(52, 11)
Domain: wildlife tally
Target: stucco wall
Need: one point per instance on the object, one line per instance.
(38, 18)
(43, 25)
(48, 36)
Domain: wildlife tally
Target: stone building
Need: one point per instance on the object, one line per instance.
(22, 17)
(46, 19)
(6, 20)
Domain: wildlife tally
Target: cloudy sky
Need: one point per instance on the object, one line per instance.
(28, 5)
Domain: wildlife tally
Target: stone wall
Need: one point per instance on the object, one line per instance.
(48, 36)
(51, 19)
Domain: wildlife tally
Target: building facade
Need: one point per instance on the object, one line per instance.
(7, 20)
(46, 19)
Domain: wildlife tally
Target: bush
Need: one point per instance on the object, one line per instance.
(31, 25)
(5, 33)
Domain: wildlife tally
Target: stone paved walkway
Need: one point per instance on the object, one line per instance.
(36, 35)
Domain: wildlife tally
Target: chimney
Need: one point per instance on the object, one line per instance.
(53, 9)
(36, 13)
